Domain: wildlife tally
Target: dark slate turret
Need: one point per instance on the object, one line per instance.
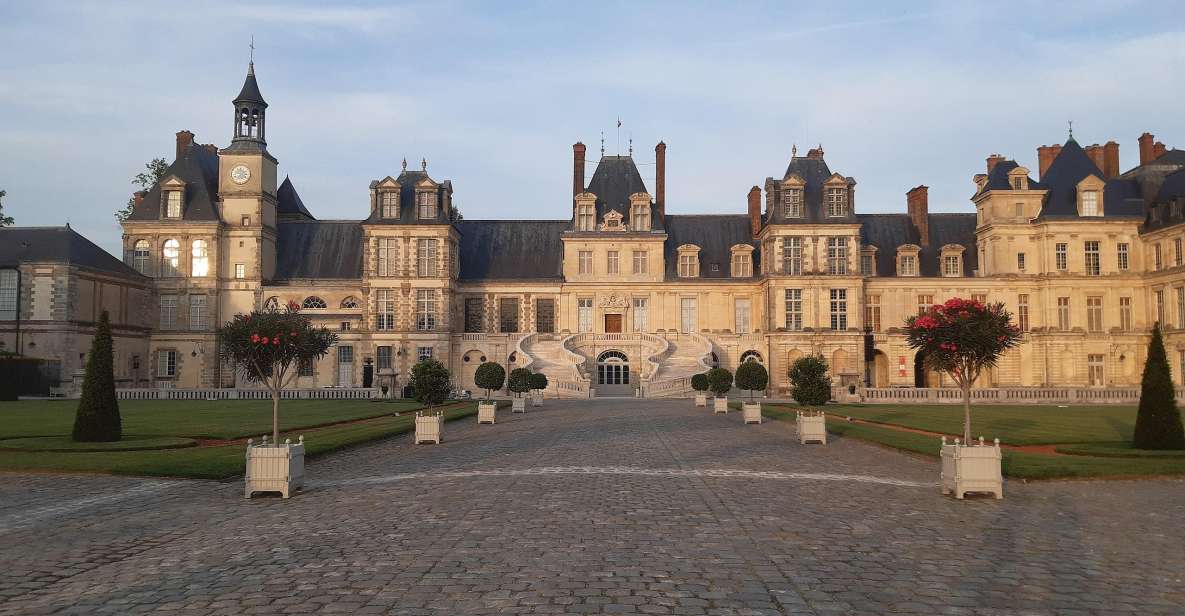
(615, 179)
(250, 117)
(813, 172)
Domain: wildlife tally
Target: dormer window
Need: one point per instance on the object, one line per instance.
(1018, 183)
(1090, 203)
(837, 202)
(640, 211)
(688, 261)
(1090, 196)
(742, 261)
(907, 260)
(868, 261)
(1018, 178)
(389, 201)
(173, 204)
(613, 221)
(792, 203)
(952, 260)
(586, 216)
(426, 205)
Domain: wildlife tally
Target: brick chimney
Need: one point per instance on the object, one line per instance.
(992, 161)
(184, 140)
(816, 153)
(1045, 157)
(138, 198)
(1146, 146)
(917, 202)
(1095, 153)
(1110, 160)
(1158, 150)
(755, 210)
(660, 182)
(211, 148)
(577, 168)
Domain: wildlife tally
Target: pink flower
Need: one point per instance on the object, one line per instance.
(255, 338)
(263, 339)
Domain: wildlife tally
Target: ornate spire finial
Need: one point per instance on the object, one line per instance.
(794, 151)
(1071, 124)
(405, 163)
(424, 164)
(602, 143)
(251, 63)
(631, 145)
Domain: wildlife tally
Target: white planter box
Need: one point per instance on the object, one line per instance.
(537, 400)
(720, 405)
(486, 412)
(701, 400)
(428, 427)
(274, 468)
(751, 412)
(519, 406)
(972, 468)
(812, 427)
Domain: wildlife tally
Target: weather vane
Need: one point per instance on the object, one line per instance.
(252, 46)
(1071, 123)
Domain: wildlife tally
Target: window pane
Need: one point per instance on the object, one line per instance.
(508, 315)
(545, 316)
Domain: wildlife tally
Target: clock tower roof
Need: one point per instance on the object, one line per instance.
(250, 92)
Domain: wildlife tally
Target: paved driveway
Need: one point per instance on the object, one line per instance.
(608, 506)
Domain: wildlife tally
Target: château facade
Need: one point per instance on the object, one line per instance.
(619, 295)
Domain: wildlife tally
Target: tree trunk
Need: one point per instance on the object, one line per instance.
(966, 387)
(276, 416)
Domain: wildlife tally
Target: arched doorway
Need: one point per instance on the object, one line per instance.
(751, 356)
(613, 374)
(922, 375)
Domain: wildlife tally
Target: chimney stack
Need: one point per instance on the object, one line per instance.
(577, 169)
(1095, 153)
(1110, 160)
(138, 198)
(755, 210)
(1158, 150)
(992, 161)
(917, 202)
(815, 153)
(184, 140)
(1045, 157)
(1146, 145)
(660, 182)
(211, 148)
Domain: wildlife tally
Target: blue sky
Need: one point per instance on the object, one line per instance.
(493, 94)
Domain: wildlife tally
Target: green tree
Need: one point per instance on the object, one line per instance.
(961, 338)
(489, 376)
(719, 381)
(430, 382)
(97, 419)
(269, 346)
(810, 385)
(520, 381)
(538, 381)
(4, 220)
(1158, 422)
(154, 170)
(751, 375)
(699, 382)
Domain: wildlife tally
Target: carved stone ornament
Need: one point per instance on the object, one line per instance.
(614, 301)
(612, 221)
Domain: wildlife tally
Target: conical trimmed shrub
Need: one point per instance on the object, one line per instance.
(1158, 423)
(97, 420)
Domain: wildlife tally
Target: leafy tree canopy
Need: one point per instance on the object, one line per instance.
(719, 381)
(520, 380)
(430, 382)
(154, 170)
(699, 382)
(5, 221)
(751, 375)
(490, 376)
(810, 385)
(538, 380)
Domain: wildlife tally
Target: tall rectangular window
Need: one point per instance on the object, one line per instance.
(197, 312)
(383, 358)
(474, 315)
(865, 265)
(688, 265)
(426, 205)
(1022, 312)
(508, 315)
(168, 311)
(1090, 203)
(423, 353)
(173, 207)
(1159, 295)
(612, 262)
(1093, 261)
(640, 218)
(688, 318)
(545, 315)
(741, 314)
(387, 252)
(167, 364)
(837, 255)
(585, 218)
(793, 203)
(794, 309)
(641, 262)
(584, 261)
(425, 257)
(1157, 260)
(1020, 261)
(641, 314)
(1094, 313)
(8, 294)
(1059, 256)
(140, 256)
(425, 309)
(792, 256)
(390, 200)
(837, 202)
(1178, 257)
(872, 313)
(909, 265)
(1181, 310)
(1095, 373)
(839, 309)
(951, 265)
(924, 303)
(1121, 255)
(1063, 313)
(584, 309)
(742, 265)
(385, 306)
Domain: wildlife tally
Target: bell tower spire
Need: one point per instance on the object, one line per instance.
(250, 111)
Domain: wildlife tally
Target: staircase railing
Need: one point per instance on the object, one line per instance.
(521, 352)
(681, 384)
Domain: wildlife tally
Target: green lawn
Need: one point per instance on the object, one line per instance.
(1018, 464)
(225, 419)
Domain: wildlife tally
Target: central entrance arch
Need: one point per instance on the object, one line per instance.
(613, 374)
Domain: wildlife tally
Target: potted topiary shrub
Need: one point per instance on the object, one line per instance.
(489, 376)
(962, 337)
(538, 384)
(719, 381)
(430, 382)
(267, 347)
(752, 376)
(519, 384)
(699, 382)
(810, 386)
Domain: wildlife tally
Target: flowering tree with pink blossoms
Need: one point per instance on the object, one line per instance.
(962, 337)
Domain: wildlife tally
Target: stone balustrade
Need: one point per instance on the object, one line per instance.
(1005, 395)
(333, 393)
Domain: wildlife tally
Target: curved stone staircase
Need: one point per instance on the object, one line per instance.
(547, 354)
(687, 355)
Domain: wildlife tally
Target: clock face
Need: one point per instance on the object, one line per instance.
(240, 174)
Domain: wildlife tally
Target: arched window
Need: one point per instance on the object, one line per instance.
(751, 356)
(272, 303)
(350, 302)
(613, 368)
(313, 302)
(172, 258)
(201, 259)
(140, 256)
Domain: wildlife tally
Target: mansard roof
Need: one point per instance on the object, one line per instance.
(57, 245)
(330, 249)
(812, 170)
(198, 168)
(408, 182)
(888, 232)
(615, 179)
(288, 202)
(1061, 180)
(715, 235)
(511, 249)
(999, 179)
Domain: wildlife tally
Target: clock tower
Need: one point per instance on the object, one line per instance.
(247, 190)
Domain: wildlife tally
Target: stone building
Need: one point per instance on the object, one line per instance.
(618, 294)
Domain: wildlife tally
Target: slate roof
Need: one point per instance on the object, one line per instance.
(511, 249)
(407, 201)
(615, 179)
(998, 178)
(288, 203)
(813, 171)
(198, 168)
(250, 92)
(319, 249)
(889, 231)
(1061, 179)
(58, 245)
(715, 234)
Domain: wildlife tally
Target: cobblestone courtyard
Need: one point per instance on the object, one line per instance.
(609, 506)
